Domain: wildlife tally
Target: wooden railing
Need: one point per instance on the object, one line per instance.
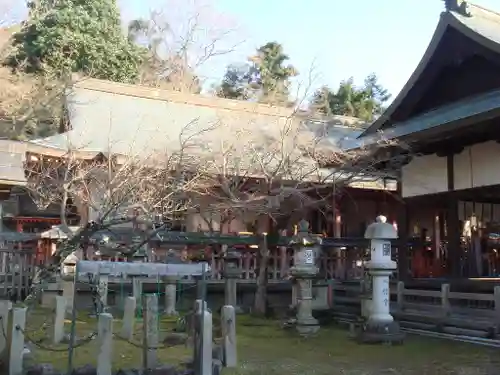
(444, 310)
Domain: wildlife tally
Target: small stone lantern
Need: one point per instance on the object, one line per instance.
(232, 272)
(68, 267)
(380, 326)
(171, 285)
(68, 277)
(306, 251)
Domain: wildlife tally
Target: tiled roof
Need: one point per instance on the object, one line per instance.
(120, 118)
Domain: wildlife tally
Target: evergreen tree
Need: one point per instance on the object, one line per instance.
(235, 83)
(365, 102)
(85, 36)
(266, 80)
(269, 76)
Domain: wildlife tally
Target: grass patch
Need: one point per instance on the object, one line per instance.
(266, 349)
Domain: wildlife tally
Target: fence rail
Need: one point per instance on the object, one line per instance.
(475, 314)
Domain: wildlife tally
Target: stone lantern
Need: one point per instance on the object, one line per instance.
(68, 277)
(231, 272)
(68, 267)
(306, 251)
(171, 284)
(380, 325)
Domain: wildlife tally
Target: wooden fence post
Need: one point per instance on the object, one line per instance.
(400, 296)
(445, 300)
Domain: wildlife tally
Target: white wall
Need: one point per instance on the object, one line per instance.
(477, 165)
(425, 175)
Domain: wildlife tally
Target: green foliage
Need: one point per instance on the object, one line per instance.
(269, 74)
(365, 102)
(235, 83)
(85, 36)
(267, 79)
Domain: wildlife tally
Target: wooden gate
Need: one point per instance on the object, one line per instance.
(17, 267)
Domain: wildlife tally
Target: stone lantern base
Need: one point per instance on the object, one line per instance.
(380, 332)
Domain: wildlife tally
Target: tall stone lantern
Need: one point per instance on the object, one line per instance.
(380, 325)
(232, 272)
(306, 251)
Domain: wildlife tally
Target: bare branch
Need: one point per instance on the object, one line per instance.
(181, 37)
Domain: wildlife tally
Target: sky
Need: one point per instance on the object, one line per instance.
(339, 38)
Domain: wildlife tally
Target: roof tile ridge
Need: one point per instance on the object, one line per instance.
(145, 92)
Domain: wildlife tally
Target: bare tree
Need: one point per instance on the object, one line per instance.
(268, 169)
(181, 36)
(111, 190)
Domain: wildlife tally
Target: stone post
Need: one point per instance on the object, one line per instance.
(59, 319)
(306, 251)
(171, 295)
(380, 326)
(228, 325)
(150, 331)
(5, 307)
(128, 318)
(103, 281)
(232, 272)
(15, 340)
(105, 340)
(203, 343)
(137, 292)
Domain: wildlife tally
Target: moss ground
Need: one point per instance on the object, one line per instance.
(266, 349)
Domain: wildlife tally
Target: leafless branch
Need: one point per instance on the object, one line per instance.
(181, 37)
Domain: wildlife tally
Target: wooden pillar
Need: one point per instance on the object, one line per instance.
(403, 238)
(454, 250)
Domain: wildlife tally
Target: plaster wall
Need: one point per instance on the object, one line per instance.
(477, 165)
(424, 175)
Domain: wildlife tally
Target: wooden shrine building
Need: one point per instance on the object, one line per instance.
(447, 116)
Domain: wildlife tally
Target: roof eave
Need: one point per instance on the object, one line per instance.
(444, 21)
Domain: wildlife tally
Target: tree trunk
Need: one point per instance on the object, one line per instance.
(260, 302)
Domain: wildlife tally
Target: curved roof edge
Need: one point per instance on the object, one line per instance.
(477, 23)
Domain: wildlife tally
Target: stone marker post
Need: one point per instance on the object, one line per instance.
(228, 323)
(203, 342)
(128, 318)
(232, 272)
(306, 251)
(380, 326)
(105, 348)
(171, 295)
(103, 281)
(5, 307)
(150, 331)
(59, 319)
(137, 292)
(15, 340)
